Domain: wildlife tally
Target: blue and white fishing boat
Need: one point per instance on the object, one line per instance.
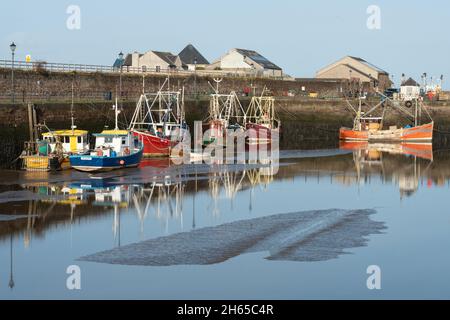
(114, 149)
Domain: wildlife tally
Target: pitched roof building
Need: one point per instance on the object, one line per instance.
(243, 59)
(351, 67)
(410, 82)
(153, 60)
(192, 58)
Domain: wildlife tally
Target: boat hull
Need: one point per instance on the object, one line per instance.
(422, 133)
(263, 135)
(154, 146)
(89, 163)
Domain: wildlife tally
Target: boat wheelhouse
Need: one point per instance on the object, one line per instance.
(72, 141)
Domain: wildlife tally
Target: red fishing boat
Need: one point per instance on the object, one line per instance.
(225, 115)
(158, 120)
(369, 127)
(262, 125)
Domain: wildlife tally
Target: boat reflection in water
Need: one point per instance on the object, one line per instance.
(160, 191)
(47, 204)
(416, 159)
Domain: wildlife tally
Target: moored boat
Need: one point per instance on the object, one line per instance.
(114, 149)
(417, 133)
(368, 125)
(262, 125)
(225, 116)
(159, 121)
(67, 141)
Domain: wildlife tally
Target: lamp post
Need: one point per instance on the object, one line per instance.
(120, 76)
(13, 47)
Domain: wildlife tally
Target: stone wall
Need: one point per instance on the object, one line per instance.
(42, 85)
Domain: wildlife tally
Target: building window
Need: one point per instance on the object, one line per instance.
(158, 68)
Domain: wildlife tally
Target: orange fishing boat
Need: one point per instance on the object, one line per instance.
(368, 133)
(369, 127)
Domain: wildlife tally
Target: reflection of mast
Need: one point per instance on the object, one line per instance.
(116, 223)
(214, 188)
(193, 200)
(11, 277)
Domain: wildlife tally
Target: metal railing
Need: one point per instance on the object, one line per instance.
(44, 66)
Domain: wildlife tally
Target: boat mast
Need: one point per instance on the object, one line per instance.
(72, 126)
(116, 112)
(415, 112)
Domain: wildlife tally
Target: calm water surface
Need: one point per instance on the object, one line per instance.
(196, 231)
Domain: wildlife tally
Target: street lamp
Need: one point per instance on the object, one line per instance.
(13, 47)
(120, 76)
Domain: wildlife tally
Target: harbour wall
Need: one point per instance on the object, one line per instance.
(43, 85)
(307, 123)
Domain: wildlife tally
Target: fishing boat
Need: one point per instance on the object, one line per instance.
(159, 120)
(73, 141)
(114, 149)
(225, 115)
(37, 154)
(368, 125)
(261, 120)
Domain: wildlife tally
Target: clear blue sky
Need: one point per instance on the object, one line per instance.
(299, 36)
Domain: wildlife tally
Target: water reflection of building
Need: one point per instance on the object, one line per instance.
(403, 162)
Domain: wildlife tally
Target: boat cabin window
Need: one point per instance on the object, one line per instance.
(108, 139)
(80, 139)
(67, 139)
(124, 140)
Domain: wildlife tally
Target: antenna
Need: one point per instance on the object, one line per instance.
(217, 81)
